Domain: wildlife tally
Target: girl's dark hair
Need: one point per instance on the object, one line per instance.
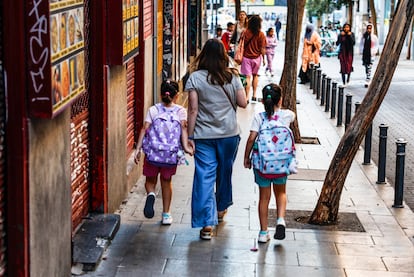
(269, 30)
(254, 24)
(213, 58)
(346, 24)
(169, 90)
(271, 97)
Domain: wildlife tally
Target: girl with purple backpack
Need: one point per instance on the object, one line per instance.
(163, 139)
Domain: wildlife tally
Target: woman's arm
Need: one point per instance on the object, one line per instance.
(192, 115)
(241, 100)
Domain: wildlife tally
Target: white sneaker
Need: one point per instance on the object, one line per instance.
(263, 236)
(166, 219)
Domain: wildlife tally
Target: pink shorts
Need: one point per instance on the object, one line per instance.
(151, 170)
(250, 66)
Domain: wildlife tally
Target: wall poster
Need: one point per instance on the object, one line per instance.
(130, 10)
(55, 63)
(67, 50)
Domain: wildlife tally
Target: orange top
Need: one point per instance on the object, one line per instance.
(254, 45)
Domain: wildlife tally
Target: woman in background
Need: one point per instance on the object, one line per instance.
(311, 52)
(346, 42)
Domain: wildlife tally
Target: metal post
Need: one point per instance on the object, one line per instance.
(382, 153)
(367, 146)
(357, 104)
(314, 79)
(348, 109)
(399, 173)
(318, 83)
(328, 94)
(323, 89)
(333, 99)
(311, 68)
(340, 106)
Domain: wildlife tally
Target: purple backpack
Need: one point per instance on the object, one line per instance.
(162, 140)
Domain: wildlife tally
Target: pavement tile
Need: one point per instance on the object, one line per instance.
(341, 261)
(365, 273)
(345, 238)
(375, 250)
(288, 271)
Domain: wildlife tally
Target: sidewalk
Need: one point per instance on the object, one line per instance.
(143, 247)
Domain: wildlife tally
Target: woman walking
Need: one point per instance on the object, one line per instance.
(346, 42)
(311, 52)
(240, 26)
(253, 55)
(214, 92)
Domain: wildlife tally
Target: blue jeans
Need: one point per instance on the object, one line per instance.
(212, 187)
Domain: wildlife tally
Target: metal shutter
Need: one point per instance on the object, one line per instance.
(130, 106)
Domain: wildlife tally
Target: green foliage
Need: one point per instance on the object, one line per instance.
(319, 7)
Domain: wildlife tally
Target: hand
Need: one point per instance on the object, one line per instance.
(137, 156)
(189, 149)
(247, 163)
(342, 33)
(191, 145)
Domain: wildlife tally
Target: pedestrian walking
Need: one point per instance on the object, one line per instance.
(253, 55)
(240, 26)
(271, 124)
(271, 43)
(219, 32)
(311, 52)
(162, 139)
(278, 27)
(368, 47)
(346, 42)
(214, 92)
(226, 37)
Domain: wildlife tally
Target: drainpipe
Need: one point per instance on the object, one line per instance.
(155, 53)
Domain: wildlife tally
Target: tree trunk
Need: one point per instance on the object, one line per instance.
(326, 210)
(295, 10)
(392, 5)
(373, 16)
(410, 40)
(237, 6)
(350, 12)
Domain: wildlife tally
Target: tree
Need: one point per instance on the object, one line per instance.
(237, 7)
(295, 10)
(373, 15)
(326, 210)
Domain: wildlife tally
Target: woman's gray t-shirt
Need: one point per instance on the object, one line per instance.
(216, 117)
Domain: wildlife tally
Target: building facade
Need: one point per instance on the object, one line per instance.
(76, 79)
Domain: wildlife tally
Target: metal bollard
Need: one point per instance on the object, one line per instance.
(311, 68)
(357, 104)
(314, 79)
(340, 106)
(348, 110)
(367, 146)
(328, 94)
(318, 83)
(399, 173)
(382, 153)
(333, 99)
(323, 89)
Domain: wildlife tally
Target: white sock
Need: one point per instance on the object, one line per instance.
(281, 221)
(151, 193)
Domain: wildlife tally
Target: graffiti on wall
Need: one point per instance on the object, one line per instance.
(167, 54)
